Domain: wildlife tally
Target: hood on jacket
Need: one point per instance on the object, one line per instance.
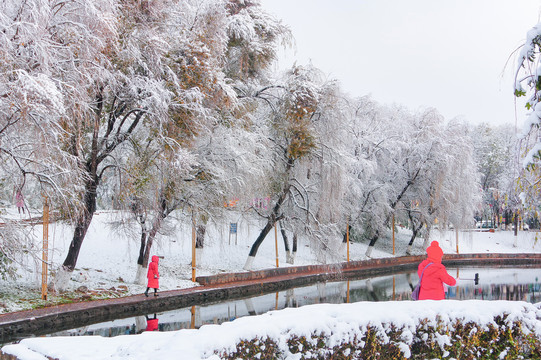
(434, 252)
(155, 258)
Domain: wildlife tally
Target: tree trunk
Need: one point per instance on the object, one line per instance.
(427, 238)
(370, 247)
(100, 149)
(82, 224)
(142, 246)
(200, 236)
(151, 236)
(393, 206)
(271, 220)
(81, 227)
(286, 243)
(141, 275)
(415, 230)
(345, 238)
(262, 235)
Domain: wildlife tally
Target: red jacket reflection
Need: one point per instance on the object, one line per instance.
(152, 325)
(435, 275)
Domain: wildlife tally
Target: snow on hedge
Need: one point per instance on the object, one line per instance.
(339, 323)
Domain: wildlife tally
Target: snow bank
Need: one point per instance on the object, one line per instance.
(340, 323)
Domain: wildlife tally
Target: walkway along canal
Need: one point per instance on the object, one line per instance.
(215, 288)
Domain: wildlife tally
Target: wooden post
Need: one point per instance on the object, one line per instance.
(193, 249)
(347, 239)
(457, 241)
(45, 255)
(276, 243)
(393, 234)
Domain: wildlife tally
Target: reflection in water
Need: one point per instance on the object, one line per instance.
(491, 284)
(152, 323)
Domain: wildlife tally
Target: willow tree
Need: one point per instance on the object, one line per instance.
(55, 67)
(204, 154)
(158, 75)
(31, 104)
(294, 108)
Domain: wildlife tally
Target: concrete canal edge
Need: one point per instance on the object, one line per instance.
(232, 286)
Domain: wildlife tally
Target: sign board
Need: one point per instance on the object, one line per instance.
(233, 230)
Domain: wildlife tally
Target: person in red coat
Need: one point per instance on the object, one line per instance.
(153, 276)
(435, 275)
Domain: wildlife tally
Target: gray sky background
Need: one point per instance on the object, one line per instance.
(450, 55)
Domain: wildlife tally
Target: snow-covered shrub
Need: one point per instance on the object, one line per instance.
(440, 340)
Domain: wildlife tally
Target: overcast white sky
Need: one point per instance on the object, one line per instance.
(450, 55)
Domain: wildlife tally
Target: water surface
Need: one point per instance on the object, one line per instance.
(515, 284)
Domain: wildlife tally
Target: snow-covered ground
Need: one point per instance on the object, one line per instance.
(108, 259)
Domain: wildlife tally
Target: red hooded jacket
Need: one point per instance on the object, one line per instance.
(435, 275)
(153, 275)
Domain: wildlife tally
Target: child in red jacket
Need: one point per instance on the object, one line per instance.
(435, 274)
(153, 276)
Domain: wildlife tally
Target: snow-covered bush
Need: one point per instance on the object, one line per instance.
(440, 340)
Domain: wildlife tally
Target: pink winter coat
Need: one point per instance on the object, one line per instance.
(153, 275)
(435, 275)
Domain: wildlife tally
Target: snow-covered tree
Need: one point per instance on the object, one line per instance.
(400, 164)
(409, 166)
(315, 207)
(118, 94)
(446, 188)
(495, 152)
(50, 53)
(208, 125)
(254, 37)
(293, 107)
(458, 194)
(528, 84)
